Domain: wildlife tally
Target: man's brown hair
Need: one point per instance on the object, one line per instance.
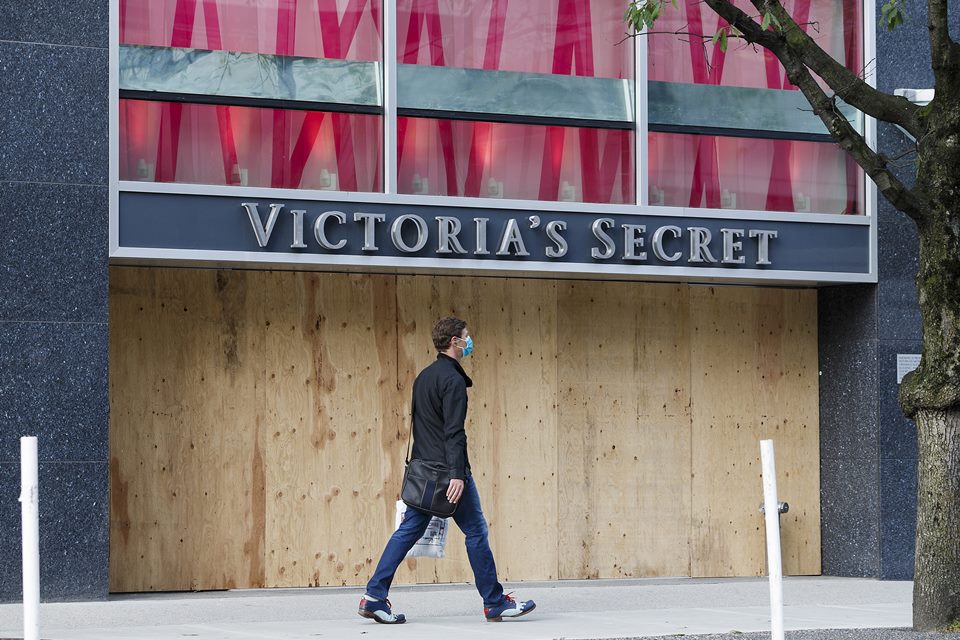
(446, 328)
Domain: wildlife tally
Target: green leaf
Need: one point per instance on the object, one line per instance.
(892, 14)
(765, 23)
(715, 37)
(723, 41)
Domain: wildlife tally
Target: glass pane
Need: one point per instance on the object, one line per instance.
(745, 83)
(565, 37)
(205, 144)
(249, 75)
(833, 24)
(514, 94)
(748, 173)
(339, 29)
(532, 162)
(554, 59)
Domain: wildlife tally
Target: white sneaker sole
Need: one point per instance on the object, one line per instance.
(501, 618)
(385, 619)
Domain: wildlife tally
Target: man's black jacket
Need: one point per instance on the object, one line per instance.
(439, 409)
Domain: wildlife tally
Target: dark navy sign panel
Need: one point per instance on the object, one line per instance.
(220, 223)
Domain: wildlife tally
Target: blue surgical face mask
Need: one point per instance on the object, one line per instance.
(468, 349)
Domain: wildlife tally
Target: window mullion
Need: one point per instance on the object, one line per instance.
(640, 119)
(390, 141)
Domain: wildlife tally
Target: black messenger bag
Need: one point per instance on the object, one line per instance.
(425, 484)
(425, 487)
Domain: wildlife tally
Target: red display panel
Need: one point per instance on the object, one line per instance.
(834, 24)
(754, 174)
(566, 37)
(443, 157)
(205, 144)
(341, 29)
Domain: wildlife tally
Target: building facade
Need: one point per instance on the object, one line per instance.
(269, 202)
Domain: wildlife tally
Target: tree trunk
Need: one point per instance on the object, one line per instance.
(936, 586)
(932, 395)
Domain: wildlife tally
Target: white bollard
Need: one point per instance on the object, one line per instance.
(772, 518)
(30, 512)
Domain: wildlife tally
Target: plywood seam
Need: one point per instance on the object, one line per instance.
(690, 414)
(558, 417)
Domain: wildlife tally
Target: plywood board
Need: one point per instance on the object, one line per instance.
(513, 422)
(420, 301)
(333, 426)
(185, 437)
(511, 427)
(753, 378)
(624, 463)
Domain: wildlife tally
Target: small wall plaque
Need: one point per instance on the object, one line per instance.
(906, 362)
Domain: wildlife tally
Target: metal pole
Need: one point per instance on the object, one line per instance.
(30, 513)
(772, 517)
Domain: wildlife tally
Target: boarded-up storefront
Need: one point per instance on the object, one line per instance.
(259, 420)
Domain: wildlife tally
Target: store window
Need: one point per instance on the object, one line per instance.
(746, 138)
(494, 99)
(280, 93)
(545, 95)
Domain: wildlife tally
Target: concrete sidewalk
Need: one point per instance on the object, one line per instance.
(568, 609)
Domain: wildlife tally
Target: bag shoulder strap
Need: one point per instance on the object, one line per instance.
(413, 404)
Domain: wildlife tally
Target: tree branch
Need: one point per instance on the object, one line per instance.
(874, 164)
(844, 82)
(943, 50)
(796, 64)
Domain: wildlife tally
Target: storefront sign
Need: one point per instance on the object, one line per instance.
(409, 235)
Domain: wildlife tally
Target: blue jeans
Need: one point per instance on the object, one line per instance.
(469, 517)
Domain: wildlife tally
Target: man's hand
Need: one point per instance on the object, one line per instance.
(454, 491)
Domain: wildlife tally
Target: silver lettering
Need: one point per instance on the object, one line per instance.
(730, 247)
(396, 233)
(633, 240)
(448, 229)
(511, 237)
(658, 243)
(320, 230)
(598, 227)
(369, 226)
(481, 236)
(298, 229)
(262, 232)
(554, 227)
(700, 237)
(763, 244)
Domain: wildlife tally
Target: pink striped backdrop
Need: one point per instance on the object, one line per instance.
(229, 145)
(777, 175)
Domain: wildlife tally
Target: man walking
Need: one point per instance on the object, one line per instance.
(439, 411)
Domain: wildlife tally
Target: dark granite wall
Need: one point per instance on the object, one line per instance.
(53, 288)
(868, 448)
